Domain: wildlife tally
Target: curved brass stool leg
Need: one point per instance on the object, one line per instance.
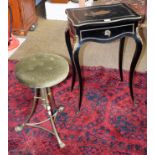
(51, 99)
(54, 107)
(35, 101)
(48, 108)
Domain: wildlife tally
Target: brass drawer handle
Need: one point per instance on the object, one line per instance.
(107, 33)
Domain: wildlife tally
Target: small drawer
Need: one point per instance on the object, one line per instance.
(106, 32)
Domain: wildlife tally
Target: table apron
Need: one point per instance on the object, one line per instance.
(106, 33)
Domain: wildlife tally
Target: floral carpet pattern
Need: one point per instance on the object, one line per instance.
(108, 123)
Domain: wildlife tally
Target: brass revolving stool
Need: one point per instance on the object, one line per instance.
(41, 72)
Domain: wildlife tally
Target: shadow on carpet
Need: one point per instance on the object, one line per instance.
(108, 123)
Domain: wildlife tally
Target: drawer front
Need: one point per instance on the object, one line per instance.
(106, 32)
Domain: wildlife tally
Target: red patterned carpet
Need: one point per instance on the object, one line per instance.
(108, 123)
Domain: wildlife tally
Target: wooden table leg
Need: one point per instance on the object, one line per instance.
(121, 49)
(136, 56)
(78, 69)
(70, 51)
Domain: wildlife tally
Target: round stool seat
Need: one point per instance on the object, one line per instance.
(41, 71)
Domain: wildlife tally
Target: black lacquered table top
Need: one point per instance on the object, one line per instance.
(101, 14)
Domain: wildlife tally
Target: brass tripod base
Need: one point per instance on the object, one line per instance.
(52, 116)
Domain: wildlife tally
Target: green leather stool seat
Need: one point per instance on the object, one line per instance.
(41, 71)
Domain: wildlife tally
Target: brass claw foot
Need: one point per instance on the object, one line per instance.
(62, 145)
(19, 128)
(61, 108)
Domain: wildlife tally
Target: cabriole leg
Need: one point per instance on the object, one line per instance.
(76, 59)
(136, 56)
(70, 51)
(121, 49)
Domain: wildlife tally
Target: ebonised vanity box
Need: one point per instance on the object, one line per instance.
(102, 23)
